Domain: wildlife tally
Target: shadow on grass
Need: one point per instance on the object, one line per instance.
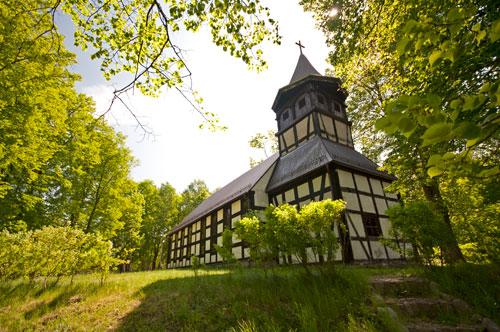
(56, 296)
(283, 299)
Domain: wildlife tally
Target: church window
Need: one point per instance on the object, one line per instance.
(286, 115)
(337, 108)
(302, 103)
(372, 224)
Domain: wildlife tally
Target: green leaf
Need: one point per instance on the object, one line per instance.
(406, 124)
(434, 171)
(436, 133)
(434, 57)
(434, 160)
(495, 31)
(476, 27)
(455, 103)
(402, 45)
(467, 130)
(382, 123)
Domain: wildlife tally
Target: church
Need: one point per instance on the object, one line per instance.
(316, 160)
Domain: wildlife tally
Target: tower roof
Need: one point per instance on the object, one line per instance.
(303, 69)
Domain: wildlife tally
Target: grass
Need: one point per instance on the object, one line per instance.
(278, 299)
(478, 285)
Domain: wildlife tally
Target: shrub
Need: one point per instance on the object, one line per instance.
(54, 252)
(226, 249)
(418, 224)
(285, 231)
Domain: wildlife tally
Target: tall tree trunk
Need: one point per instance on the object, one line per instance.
(155, 257)
(451, 252)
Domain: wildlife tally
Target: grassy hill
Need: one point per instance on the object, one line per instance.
(284, 298)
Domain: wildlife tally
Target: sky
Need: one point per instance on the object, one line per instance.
(178, 151)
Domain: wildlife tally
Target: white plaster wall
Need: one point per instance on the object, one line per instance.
(357, 250)
(378, 250)
(377, 187)
(317, 184)
(345, 179)
(303, 190)
(362, 183)
(351, 200)
(381, 205)
(367, 203)
(385, 225)
(236, 207)
(260, 197)
(237, 252)
(355, 221)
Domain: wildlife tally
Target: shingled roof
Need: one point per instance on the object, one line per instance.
(303, 69)
(234, 189)
(316, 153)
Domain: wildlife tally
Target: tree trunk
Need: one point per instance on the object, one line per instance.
(451, 252)
(155, 256)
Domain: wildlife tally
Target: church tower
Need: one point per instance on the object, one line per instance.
(311, 105)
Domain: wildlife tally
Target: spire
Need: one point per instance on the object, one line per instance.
(303, 68)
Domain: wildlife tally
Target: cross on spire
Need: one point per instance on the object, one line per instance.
(299, 44)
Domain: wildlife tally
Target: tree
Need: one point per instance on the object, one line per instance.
(140, 38)
(419, 224)
(159, 216)
(263, 142)
(35, 94)
(425, 74)
(59, 165)
(196, 192)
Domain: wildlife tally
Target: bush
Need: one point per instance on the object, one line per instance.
(285, 231)
(54, 252)
(226, 249)
(418, 224)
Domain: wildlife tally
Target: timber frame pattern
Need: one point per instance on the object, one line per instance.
(316, 161)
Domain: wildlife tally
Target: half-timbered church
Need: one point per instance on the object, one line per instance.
(316, 160)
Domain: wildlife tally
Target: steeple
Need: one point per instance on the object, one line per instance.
(311, 105)
(303, 69)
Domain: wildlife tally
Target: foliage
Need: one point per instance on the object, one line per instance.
(196, 192)
(160, 214)
(318, 217)
(249, 229)
(426, 75)
(225, 250)
(136, 37)
(54, 252)
(419, 224)
(284, 231)
(263, 142)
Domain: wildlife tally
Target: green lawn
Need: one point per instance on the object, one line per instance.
(278, 299)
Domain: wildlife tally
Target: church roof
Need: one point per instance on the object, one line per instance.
(234, 189)
(303, 69)
(316, 153)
